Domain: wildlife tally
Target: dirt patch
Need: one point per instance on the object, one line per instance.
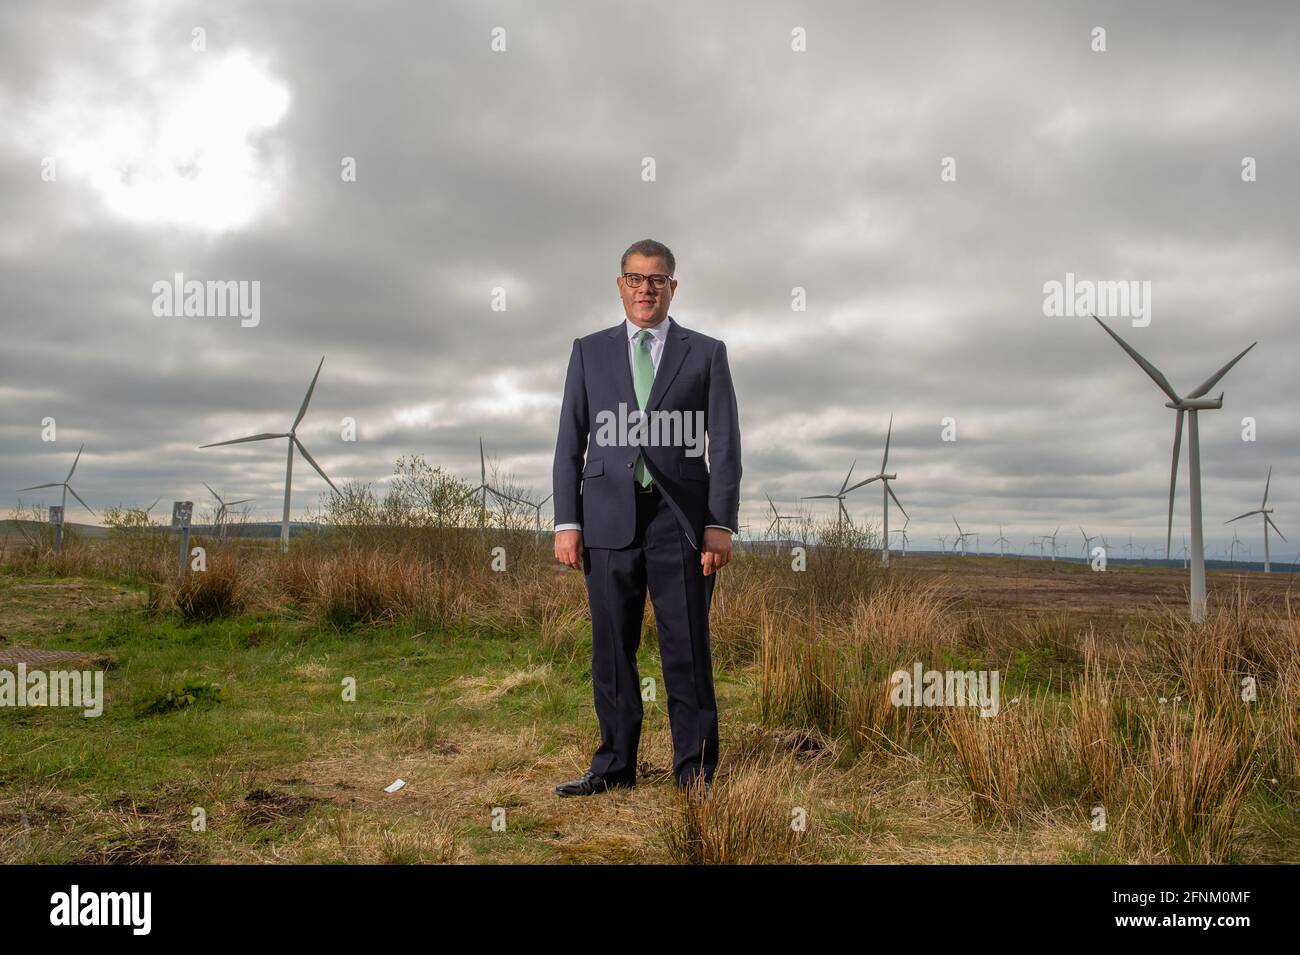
(266, 807)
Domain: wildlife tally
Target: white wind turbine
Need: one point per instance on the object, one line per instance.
(902, 532)
(886, 493)
(961, 537)
(1052, 537)
(777, 517)
(1264, 510)
(484, 489)
(224, 507)
(67, 487)
(1190, 405)
(1087, 542)
(1002, 543)
(292, 435)
(943, 543)
(838, 497)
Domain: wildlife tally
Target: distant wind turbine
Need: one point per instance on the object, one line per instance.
(292, 435)
(1189, 405)
(838, 497)
(1052, 537)
(1002, 543)
(961, 537)
(1266, 511)
(67, 487)
(1087, 542)
(223, 507)
(885, 495)
(777, 517)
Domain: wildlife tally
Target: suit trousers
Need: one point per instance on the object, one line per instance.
(661, 558)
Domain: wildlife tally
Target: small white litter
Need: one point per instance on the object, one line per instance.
(394, 786)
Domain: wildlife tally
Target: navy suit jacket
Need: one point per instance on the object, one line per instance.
(599, 492)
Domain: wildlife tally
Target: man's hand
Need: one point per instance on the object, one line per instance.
(716, 552)
(568, 548)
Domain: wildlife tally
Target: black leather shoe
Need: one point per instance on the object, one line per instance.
(589, 784)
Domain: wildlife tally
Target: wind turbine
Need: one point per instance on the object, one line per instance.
(1087, 542)
(885, 495)
(537, 506)
(961, 537)
(1052, 537)
(1189, 405)
(1265, 510)
(777, 517)
(224, 506)
(943, 543)
(292, 435)
(902, 531)
(67, 487)
(838, 497)
(63, 508)
(1002, 543)
(484, 489)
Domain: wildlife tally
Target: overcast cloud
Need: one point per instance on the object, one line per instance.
(775, 169)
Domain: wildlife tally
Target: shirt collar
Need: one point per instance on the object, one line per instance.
(660, 331)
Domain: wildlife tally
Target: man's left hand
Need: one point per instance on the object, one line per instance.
(716, 552)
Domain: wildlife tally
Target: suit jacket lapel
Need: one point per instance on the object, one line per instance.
(676, 345)
(620, 367)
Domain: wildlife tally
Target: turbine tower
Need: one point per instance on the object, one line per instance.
(1002, 543)
(67, 487)
(292, 435)
(1190, 405)
(902, 531)
(886, 493)
(1265, 510)
(1052, 537)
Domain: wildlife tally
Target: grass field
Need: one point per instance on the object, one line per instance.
(224, 695)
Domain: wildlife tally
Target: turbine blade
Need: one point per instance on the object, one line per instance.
(1274, 526)
(1264, 504)
(769, 502)
(74, 463)
(83, 503)
(861, 484)
(896, 501)
(241, 501)
(817, 497)
(312, 462)
(1240, 516)
(251, 437)
(545, 499)
(849, 475)
(888, 434)
(1161, 381)
(307, 400)
(1214, 379)
(37, 487)
(1173, 480)
(213, 493)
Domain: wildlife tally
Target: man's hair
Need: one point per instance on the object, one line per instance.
(650, 249)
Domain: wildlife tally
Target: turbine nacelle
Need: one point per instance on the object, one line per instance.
(1196, 404)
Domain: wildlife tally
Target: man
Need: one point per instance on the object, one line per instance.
(644, 509)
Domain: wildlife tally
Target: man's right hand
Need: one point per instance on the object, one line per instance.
(568, 548)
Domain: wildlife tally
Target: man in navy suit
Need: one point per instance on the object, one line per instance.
(637, 506)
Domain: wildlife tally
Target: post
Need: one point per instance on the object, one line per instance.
(181, 513)
(56, 521)
(1198, 543)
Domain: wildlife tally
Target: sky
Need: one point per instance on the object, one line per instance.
(921, 171)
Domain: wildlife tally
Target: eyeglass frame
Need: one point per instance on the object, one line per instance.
(658, 288)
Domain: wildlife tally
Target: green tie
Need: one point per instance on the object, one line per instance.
(643, 376)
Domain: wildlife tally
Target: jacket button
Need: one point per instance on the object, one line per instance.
(629, 464)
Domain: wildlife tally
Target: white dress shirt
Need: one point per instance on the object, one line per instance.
(658, 337)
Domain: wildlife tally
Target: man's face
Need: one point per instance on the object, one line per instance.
(645, 305)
